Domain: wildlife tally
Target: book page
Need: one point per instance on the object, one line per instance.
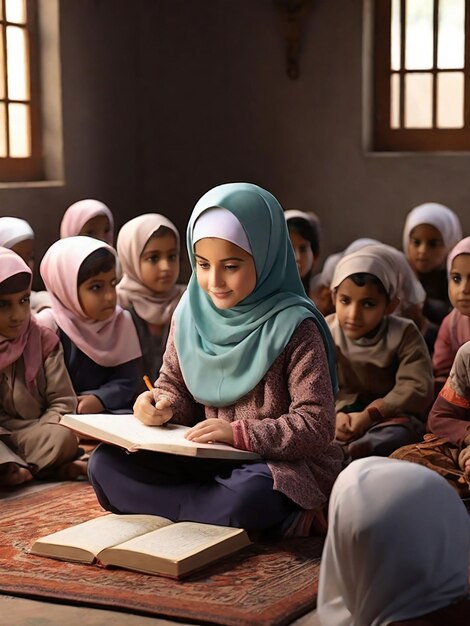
(180, 540)
(129, 431)
(104, 532)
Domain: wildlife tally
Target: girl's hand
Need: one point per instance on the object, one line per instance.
(89, 404)
(343, 427)
(210, 430)
(152, 409)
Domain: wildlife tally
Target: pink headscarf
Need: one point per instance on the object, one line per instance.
(79, 213)
(463, 247)
(109, 342)
(154, 308)
(35, 342)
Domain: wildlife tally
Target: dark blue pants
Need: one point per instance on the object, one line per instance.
(183, 488)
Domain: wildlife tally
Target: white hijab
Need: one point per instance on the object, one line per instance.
(437, 215)
(13, 230)
(397, 546)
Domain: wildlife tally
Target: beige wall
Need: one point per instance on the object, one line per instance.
(163, 99)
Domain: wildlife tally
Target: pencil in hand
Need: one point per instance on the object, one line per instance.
(148, 383)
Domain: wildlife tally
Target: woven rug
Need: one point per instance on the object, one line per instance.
(265, 584)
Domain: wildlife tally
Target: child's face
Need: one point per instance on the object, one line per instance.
(97, 296)
(98, 228)
(159, 263)
(14, 310)
(459, 284)
(426, 249)
(25, 249)
(360, 310)
(302, 252)
(224, 271)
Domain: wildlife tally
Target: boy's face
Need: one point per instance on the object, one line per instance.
(98, 228)
(459, 284)
(159, 263)
(14, 311)
(359, 309)
(426, 250)
(97, 296)
(224, 271)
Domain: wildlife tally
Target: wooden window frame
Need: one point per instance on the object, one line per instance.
(412, 139)
(17, 169)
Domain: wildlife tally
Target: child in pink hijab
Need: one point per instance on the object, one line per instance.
(101, 346)
(88, 217)
(149, 251)
(35, 389)
(455, 327)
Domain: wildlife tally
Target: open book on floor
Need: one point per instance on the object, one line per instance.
(129, 432)
(144, 543)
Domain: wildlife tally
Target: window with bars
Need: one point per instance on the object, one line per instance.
(422, 75)
(20, 150)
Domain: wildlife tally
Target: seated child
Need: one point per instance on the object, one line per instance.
(148, 249)
(397, 549)
(431, 231)
(249, 362)
(17, 235)
(35, 389)
(455, 328)
(304, 235)
(320, 285)
(88, 217)
(101, 345)
(446, 448)
(384, 368)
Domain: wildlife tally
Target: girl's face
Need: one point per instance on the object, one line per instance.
(160, 263)
(25, 249)
(426, 250)
(97, 296)
(224, 271)
(459, 284)
(98, 228)
(302, 252)
(14, 311)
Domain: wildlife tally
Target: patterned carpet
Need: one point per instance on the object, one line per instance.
(265, 584)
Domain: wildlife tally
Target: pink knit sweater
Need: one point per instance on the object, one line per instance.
(288, 418)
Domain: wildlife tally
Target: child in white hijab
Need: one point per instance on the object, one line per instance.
(397, 549)
(431, 231)
(384, 368)
(17, 235)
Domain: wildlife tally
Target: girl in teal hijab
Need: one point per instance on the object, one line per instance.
(249, 363)
(224, 353)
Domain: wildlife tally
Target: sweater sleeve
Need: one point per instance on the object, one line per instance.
(170, 383)
(449, 420)
(443, 357)
(414, 384)
(450, 414)
(60, 396)
(309, 425)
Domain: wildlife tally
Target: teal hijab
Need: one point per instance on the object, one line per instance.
(224, 353)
